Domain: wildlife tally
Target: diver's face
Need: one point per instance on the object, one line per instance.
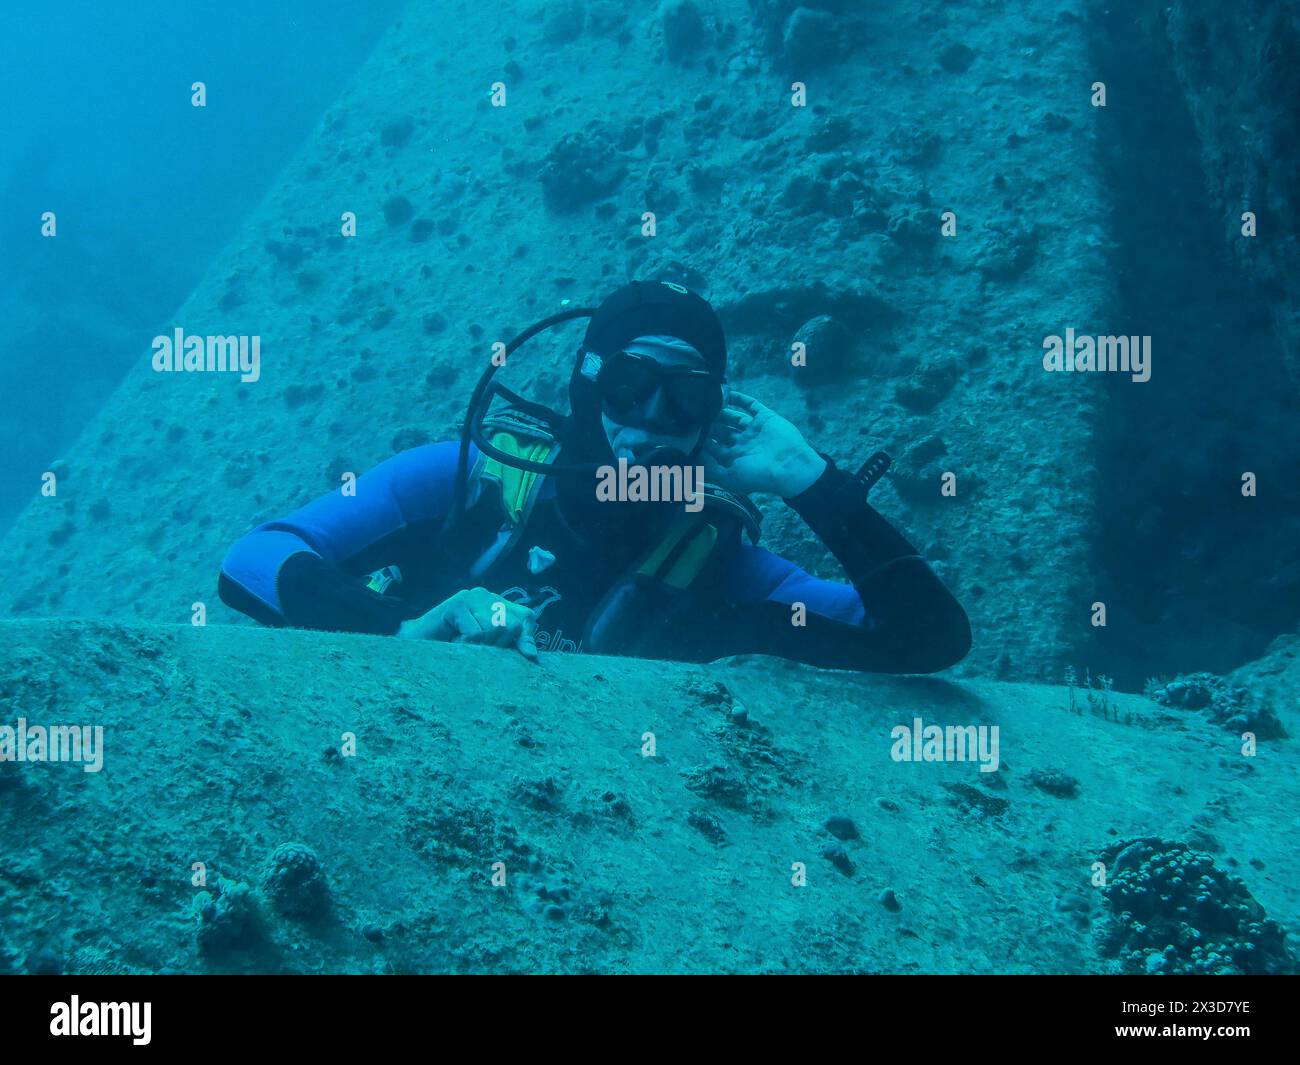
(653, 417)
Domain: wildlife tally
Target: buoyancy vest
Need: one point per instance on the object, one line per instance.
(659, 581)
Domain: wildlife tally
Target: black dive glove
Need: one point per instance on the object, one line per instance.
(317, 595)
(835, 507)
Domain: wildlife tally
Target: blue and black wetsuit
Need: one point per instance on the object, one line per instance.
(317, 568)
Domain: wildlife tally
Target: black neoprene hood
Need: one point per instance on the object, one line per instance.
(639, 308)
(649, 308)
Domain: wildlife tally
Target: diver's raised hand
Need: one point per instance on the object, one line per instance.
(754, 449)
(475, 615)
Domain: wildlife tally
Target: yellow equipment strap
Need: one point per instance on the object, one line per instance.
(696, 536)
(686, 562)
(516, 485)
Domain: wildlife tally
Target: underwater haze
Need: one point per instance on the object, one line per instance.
(97, 126)
(974, 646)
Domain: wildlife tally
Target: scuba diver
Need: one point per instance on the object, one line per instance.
(503, 538)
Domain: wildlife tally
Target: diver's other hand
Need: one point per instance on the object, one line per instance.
(476, 615)
(754, 449)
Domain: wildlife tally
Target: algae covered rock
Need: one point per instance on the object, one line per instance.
(1055, 782)
(295, 882)
(1172, 911)
(1227, 704)
(229, 918)
(829, 349)
(581, 168)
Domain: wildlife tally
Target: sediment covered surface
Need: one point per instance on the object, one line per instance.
(228, 746)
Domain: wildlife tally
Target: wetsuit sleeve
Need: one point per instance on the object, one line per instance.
(301, 570)
(896, 615)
